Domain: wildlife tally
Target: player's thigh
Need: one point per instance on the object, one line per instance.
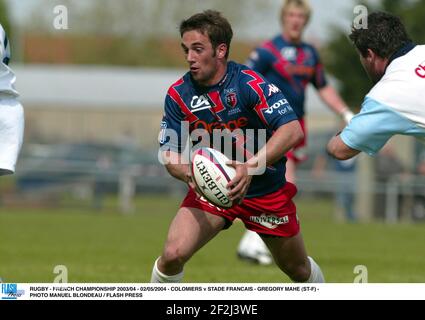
(288, 253)
(191, 229)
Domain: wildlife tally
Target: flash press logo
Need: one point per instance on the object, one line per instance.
(10, 291)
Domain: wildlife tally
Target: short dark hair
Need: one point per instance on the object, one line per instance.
(211, 23)
(385, 34)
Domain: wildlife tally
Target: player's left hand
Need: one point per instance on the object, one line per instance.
(239, 185)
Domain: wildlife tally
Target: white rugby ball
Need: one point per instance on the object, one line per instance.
(211, 175)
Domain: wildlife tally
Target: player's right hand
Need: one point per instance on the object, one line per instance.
(239, 186)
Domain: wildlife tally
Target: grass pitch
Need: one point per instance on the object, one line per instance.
(108, 247)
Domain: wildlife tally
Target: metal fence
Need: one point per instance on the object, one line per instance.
(402, 196)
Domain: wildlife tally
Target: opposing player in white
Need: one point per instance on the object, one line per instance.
(396, 104)
(11, 112)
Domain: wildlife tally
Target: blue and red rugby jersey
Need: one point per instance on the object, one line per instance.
(243, 100)
(291, 67)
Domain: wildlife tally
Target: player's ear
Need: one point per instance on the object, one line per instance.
(221, 51)
(371, 55)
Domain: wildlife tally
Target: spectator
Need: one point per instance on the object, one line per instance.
(418, 212)
(388, 165)
(345, 186)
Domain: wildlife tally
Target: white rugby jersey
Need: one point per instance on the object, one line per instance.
(7, 77)
(395, 105)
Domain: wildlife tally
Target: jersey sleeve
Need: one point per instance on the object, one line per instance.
(370, 130)
(172, 137)
(267, 101)
(319, 78)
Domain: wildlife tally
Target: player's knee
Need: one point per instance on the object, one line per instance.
(173, 256)
(298, 272)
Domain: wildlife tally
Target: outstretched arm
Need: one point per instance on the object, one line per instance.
(339, 150)
(332, 99)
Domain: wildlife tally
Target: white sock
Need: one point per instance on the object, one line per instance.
(316, 275)
(159, 277)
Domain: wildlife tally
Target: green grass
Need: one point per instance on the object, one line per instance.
(109, 247)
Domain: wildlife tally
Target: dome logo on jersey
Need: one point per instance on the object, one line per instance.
(232, 99)
(269, 221)
(199, 103)
(162, 134)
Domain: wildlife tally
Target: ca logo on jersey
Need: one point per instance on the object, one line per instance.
(199, 103)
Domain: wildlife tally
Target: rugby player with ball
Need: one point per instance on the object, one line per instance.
(219, 95)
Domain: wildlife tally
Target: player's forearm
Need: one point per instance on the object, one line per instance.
(283, 140)
(329, 95)
(179, 172)
(175, 167)
(339, 150)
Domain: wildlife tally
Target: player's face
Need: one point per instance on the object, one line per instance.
(294, 22)
(371, 66)
(202, 58)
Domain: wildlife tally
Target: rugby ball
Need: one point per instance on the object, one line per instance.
(211, 175)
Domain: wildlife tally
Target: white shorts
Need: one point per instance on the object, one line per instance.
(11, 133)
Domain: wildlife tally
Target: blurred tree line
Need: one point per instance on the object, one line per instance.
(131, 32)
(342, 60)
